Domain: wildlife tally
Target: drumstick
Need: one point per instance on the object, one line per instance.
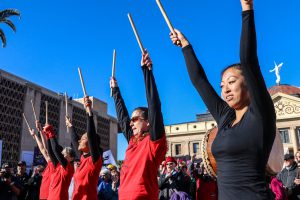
(66, 100)
(135, 33)
(113, 68)
(163, 12)
(82, 82)
(46, 103)
(26, 122)
(33, 110)
(29, 129)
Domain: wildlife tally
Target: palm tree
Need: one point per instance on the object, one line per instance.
(4, 15)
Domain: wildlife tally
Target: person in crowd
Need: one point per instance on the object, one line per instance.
(297, 158)
(172, 181)
(88, 146)
(146, 136)
(22, 178)
(289, 176)
(245, 115)
(206, 186)
(34, 183)
(9, 189)
(277, 188)
(115, 177)
(105, 191)
(64, 168)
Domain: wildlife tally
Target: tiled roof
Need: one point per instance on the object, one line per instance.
(286, 89)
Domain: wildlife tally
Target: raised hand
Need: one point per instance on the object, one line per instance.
(247, 5)
(178, 36)
(68, 122)
(88, 105)
(146, 60)
(38, 126)
(113, 82)
(48, 131)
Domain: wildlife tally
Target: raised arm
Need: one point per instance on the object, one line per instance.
(93, 138)
(260, 97)
(57, 149)
(42, 148)
(74, 138)
(122, 113)
(216, 106)
(155, 117)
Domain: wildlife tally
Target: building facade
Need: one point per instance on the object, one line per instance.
(185, 139)
(17, 97)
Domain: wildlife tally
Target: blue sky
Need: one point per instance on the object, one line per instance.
(55, 37)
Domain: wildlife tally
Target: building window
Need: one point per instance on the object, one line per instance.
(284, 134)
(177, 149)
(195, 148)
(298, 134)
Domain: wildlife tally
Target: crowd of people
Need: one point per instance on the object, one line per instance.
(246, 121)
(177, 179)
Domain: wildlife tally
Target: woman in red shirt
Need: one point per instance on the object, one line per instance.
(44, 188)
(87, 173)
(147, 141)
(64, 169)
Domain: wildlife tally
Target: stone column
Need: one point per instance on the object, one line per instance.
(294, 137)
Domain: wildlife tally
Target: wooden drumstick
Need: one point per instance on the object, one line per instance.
(66, 101)
(33, 110)
(46, 103)
(163, 12)
(26, 122)
(27, 125)
(82, 82)
(113, 68)
(136, 33)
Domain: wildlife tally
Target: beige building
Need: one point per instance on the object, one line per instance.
(184, 139)
(16, 95)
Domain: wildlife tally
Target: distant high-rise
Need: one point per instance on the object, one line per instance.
(15, 98)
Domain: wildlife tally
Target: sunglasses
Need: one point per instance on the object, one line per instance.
(136, 118)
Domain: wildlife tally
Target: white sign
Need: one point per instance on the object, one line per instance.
(27, 156)
(108, 158)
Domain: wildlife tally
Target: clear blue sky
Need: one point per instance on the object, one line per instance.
(55, 37)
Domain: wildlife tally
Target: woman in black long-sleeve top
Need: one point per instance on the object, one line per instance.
(146, 137)
(245, 116)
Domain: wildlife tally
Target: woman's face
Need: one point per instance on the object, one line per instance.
(138, 124)
(83, 144)
(234, 89)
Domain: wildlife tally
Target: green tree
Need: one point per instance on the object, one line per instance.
(4, 15)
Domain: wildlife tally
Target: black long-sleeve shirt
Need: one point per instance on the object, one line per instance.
(74, 142)
(94, 140)
(57, 149)
(51, 153)
(242, 150)
(155, 117)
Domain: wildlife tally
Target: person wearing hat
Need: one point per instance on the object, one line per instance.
(288, 175)
(22, 179)
(172, 181)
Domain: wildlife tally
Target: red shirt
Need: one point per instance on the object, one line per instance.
(44, 189)
(139, 169)
(60, 182)
(86, 179)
